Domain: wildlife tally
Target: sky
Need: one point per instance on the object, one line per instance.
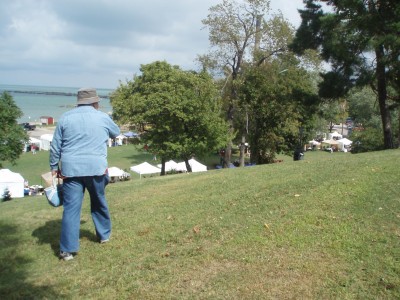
(99, 43)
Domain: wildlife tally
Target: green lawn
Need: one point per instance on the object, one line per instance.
(326, 227)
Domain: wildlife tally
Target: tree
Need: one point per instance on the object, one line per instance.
(281, 106)
(332, 111)
(363, 108)
(367, 140)
(179, 110)
(367, 133)
(233, 30)
(360, 39)
(12, 135)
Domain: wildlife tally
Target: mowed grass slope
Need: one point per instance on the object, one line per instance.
(327, 227)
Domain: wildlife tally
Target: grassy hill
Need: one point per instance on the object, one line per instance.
(326, 227)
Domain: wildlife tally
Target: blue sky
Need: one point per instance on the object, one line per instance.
(98, 43)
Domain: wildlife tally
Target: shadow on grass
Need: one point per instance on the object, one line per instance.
(13, 277)
(49, 233)
(138, 158)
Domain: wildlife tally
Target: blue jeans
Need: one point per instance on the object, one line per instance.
(73, 192)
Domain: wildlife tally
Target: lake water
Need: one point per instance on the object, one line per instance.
(37, 101)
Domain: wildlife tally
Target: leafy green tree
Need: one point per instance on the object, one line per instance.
(234, 30)
(367, 133)
(363, 108)
(332, 111)
(360, 39)
(367, 140)
(179, 110)
(281, 106)
(12, 135)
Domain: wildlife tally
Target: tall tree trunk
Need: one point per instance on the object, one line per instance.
(242, 148)
(243, 143)
(382, 98)
(331, 124)
(188, 167)
(230, 116)
(398, 137)
(162, 166)
(228, 153)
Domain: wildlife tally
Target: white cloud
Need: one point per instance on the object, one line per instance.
(99, 42)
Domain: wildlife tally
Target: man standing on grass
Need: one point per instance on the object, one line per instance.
(79, 147)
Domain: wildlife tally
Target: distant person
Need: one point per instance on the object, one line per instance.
(80, 145)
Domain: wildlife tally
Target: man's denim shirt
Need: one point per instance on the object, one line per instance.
(80, 142)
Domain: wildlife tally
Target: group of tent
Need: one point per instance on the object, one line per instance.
(334, 140)
(146, 168)
(43, 143)
(123, 138)
(14, 183)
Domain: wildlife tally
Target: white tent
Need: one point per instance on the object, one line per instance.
(195, 165)
(343, 143)
(32, 141)
(14, 182)
(314, 143)
(145, 168)
(181, 167)
(330, 142)
(115, 172)
(35, 141)
(169, 166)
(120, 139)
(45, 141)
(335, 135)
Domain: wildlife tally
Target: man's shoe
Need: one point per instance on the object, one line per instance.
(104, 241)
(66, 255)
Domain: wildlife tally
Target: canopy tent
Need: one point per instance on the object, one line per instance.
(115, 172)
(343, 143)
(145, 168)
(195, 165)
(45, 141)
(130, 134)
(120, 140)
(330, 145)
(35, 141)
(14, 182)
(330, 142)
(32, 141)
(314, 143)
(181, 167)
(335, 135)
(169, 166)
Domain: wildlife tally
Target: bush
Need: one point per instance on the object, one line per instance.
(367, 140)
(6, 195)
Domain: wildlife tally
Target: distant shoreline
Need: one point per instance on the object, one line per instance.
(37, 101)
(68, 94)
